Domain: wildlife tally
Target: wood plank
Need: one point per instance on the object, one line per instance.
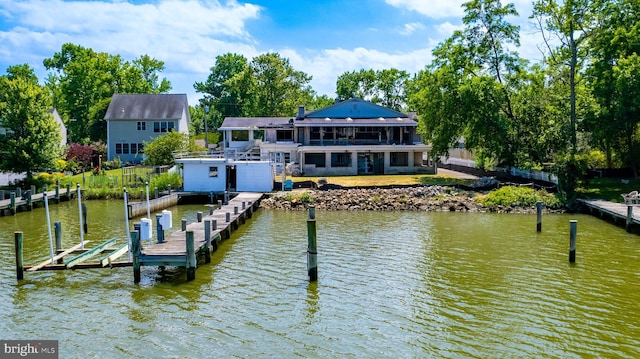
(84, 265)
(56, 257)
(88, 254)
(117, 253)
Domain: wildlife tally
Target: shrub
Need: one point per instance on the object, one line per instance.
(519, 196)
(164, 180)
(306, 197)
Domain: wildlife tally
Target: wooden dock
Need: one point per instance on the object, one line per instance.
(627, 214)
(16, 201)
(179, 250)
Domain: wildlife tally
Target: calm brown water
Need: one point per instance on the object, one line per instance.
(398, 284)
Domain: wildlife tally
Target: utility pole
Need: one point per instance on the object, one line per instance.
(206, 132)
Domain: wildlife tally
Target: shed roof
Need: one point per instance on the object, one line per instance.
(147, 107)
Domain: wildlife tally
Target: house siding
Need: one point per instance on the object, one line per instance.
(126, 111)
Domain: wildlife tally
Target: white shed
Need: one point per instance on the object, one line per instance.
(218, 175)
(203, 174)
(253, 176)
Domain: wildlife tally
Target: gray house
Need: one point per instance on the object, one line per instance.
(351, 137)
(137, 118)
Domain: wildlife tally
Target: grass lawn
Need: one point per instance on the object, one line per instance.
(609, 189)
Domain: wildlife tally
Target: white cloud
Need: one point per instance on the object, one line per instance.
(446, 29)
(411, 28)
(435, 9)
(326, 65)
(186, 35)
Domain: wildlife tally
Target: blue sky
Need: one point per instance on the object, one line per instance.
(322, 38)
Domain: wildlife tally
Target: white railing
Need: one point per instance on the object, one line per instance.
(216, 154)
(516, 172)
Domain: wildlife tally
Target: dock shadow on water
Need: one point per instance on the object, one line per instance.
(390, 284)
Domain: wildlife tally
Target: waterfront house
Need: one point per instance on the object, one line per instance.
(133, 119)
(352, 137)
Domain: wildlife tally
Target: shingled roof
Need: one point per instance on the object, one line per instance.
(147, 107)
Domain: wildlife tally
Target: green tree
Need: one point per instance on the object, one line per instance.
(267, 86)
(84, 81)
(566, 27)
(160, 150)
(150, 68)
(279, 88)
(224, 97)
(384, 87)
(32, 138)
(359, 84)
(611, 73)
(471, 88)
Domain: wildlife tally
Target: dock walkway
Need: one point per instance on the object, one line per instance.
(173, 251)
(12, 205)
(616, 211)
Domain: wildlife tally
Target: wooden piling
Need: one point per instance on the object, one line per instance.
(191, 256)
(210, 210)
(30, 199)
(207, 238)
(69, 191)
(57, 231)
(573, 230)
(12, 198)
(57, 195)
(18, 246)
(1, 195)
(135, 249)
(539, 215)
(199, 216)
(159, 229)
(312, 252)
(219, 203)
(184, 224)
(227, 216)
(19, 192)
(235, 210)
(81, 213)
(84, 218)
(214, 244)
(629, 218)
(156, 193)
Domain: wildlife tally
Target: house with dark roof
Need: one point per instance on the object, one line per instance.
(133, 119)
(352, 137)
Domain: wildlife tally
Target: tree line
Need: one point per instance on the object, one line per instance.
(577, 108)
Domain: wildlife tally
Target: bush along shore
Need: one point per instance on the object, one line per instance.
(421, 198)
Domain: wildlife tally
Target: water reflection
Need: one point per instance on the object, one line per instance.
(402, 284)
